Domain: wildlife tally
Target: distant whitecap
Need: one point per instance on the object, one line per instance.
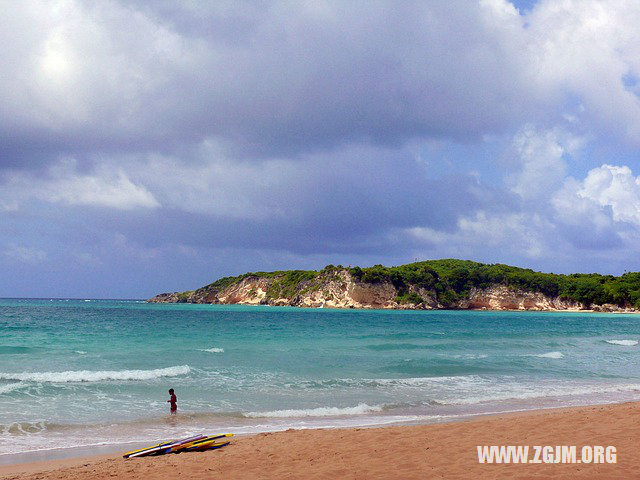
(548, 355)
(626, 343)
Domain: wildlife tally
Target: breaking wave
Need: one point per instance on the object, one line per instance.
(97, 376)
(10, 387)
(212, 350)
(360, 409)
(548, 355)
(626, 343)
(26, 428)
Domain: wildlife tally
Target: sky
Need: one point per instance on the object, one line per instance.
(148, 147)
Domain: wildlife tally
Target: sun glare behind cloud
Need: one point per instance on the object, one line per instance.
(55, 63)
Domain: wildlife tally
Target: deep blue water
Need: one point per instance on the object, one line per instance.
(76, 372)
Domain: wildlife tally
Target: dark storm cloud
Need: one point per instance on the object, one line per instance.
(353, 202)
(262, 79)
(309, 76)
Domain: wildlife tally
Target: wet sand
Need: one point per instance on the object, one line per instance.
(404, 452)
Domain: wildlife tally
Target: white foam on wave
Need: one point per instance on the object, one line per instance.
(80, 352)
(212, 350)
(626, 343)
(459, 381)
(10, 387)
(430, 381)
(97, 376)
(533, 391)
(548, 355)
(359, 409)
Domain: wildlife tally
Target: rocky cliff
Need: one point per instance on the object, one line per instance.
(339, 288)
(335, 290)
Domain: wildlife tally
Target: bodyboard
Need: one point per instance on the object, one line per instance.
(209, 445)
(164, 447)
(193, 446)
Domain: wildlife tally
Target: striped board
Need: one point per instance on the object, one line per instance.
(196, 444)
(189, 444)
(128, 454)
(208, 445)
(161, 448)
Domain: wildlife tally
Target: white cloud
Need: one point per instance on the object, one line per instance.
(615, 187)
(581, 50)
(115, 191)
(572, 209)
(540, 156)
(503, 234)
(76, 66)
(219, 186)
(523, 232)
(601, 211)
(607, 200)
(103, 188)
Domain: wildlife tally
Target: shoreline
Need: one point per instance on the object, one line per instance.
(394, 309)
(411, 451)
(69, 453)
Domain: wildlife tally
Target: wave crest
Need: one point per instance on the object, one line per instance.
(212, 350)
(97, 376)
(359, 409)
(10, 387)
(547, 355)
(626, 343)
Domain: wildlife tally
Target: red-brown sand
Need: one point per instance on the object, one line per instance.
(406, 452)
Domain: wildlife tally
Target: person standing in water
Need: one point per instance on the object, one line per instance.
(173, 400)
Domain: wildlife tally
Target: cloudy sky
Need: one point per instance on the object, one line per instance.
(155, 146)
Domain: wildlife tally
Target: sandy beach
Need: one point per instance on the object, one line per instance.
(407, 452)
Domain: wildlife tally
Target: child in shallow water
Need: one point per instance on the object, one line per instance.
(173, 400)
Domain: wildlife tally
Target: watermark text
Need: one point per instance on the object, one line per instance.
(546, 454)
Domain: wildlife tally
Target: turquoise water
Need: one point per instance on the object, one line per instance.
(76, 372)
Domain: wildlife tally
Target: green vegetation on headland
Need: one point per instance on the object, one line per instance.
(452, 279)
(444, 283)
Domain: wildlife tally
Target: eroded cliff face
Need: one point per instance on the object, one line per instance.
(341, 290)
(338, 290)
(502, 297)
(249, 291)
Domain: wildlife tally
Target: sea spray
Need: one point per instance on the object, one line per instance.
(99, 376)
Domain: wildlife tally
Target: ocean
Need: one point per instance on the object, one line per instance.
(79, 373)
